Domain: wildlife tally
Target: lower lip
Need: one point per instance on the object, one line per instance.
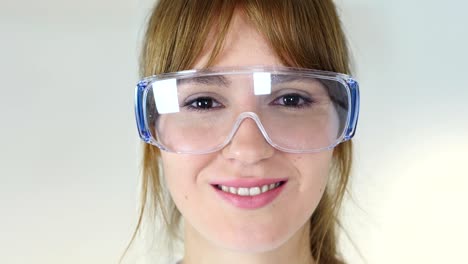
(250, 202)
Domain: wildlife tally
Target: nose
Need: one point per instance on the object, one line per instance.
(248, 145)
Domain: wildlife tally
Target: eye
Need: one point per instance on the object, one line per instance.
(203, 103)
(292, 100)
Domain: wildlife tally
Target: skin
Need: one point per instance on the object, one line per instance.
(216, 231)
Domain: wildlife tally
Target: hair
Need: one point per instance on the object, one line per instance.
(304, 34)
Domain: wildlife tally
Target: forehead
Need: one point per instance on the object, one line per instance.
(243, 46)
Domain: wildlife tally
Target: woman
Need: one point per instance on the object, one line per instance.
(254, 115)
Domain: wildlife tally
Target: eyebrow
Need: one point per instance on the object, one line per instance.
(285, 79)
(218, 80)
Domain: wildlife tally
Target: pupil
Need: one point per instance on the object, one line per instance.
(204, 103)
(291, 100)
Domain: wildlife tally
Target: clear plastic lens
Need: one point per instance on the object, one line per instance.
(198, 113)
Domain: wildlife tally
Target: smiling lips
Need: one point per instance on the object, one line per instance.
(249, 194)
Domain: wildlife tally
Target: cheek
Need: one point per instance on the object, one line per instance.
(181, 176)
(313, 172)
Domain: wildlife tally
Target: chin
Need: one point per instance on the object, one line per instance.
(254, 243)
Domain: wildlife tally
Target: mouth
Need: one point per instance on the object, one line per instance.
(250, 191)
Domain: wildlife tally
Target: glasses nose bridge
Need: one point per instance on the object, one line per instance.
(245, 115)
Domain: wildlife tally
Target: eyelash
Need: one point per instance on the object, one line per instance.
(189, 104)
(304, 102)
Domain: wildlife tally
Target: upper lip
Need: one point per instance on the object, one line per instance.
(247, 182)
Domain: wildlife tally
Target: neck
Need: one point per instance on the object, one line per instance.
(199, 250)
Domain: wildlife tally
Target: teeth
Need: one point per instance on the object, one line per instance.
(232, 190)
(254, 191)
(249, 191)
(243, 191)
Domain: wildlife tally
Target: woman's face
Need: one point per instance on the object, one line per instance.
(223, 220)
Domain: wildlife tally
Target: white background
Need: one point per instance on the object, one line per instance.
(69, 149)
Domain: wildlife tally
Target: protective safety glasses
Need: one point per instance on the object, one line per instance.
(199, 111)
